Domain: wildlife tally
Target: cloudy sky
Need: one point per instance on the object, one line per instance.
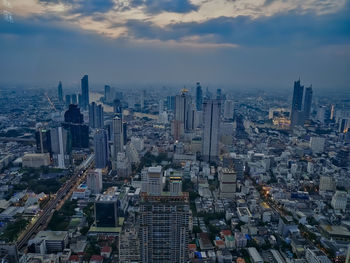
(236, 43)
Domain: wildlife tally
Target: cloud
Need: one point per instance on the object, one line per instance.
(174, 6)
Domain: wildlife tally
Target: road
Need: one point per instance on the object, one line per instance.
(61, 196)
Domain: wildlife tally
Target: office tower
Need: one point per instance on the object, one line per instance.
(191, 117)
(228, 110)
(118, 138)
(43, 140)
(175, 183)
(80, 100)
(228, 182)
(101, 149)
(85, 92)
(68, 100)
(154, 180)
(296, 112)
(96, 116)
(171, 103)
(307, 102)
(122, 165)
(199, 97)
(182, 105)
(125, 132)
(60, 146)
(60, 92)
(106, 210)
(211, 122)
(73, 122)
(218, 94)
(164, 224)
(94, 181)
(344, 125)
(74, 99)
(107, 93)
(119, 95)
(160, 106)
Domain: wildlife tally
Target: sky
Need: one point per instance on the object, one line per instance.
(229, 43)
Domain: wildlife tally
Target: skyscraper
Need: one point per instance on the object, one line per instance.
(101, 149)
(228, 110)
(43, 140)
(96, 116)
(94, 181)
(60, 92)
(60, 146)
(182, 105)
(164, 225)
(85, 92)
(118, 139)
(74, 99)
(199, 97)
(297, 102)
(68, 100)
(307, 102)
(108, 96)
(211, 120)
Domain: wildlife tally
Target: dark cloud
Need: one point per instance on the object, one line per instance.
(159, 6)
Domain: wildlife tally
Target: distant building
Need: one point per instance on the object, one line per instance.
(47, 242)
(101, 149)
(317, 144)
(211, 119)
(60, 92)
(43, 141)
(307, 102)
(327, 183)
(68, 100)
(74, 99)
(297, 115)
(182, 105)
(61, 145)
(85, 92)
(96, 116)
(108, 95)
(228, 110)
(94, 181)
(199, 97)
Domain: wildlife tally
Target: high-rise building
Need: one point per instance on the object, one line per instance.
(339, 200)
(61, 145)
(85, 92)
(218, 94)
(68, 100)
(297, 116)
(228, 110)
(101, 149)
(94, 181)
(43, 141)
(307, 102)
(317, 144)
(199, 97)
(164, 224)
(106, 210)
(74, 99)
(211, 120)
(154, 184)
(96, 116)
(182, 110)
(108, 95)
(118, 138)
(60, 92)
(175, 185)
(73, 121)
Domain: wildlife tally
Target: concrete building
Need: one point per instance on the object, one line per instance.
(101, 149)
(154, 184)
(211, 120)
(47, 242)
(94, 181)
(228, 182)
(228, 110)
(316, 256)
(327, 183)
(339, 200)
(36, 160)
(317, 144)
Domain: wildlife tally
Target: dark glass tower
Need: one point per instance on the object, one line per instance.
(60, 92)
(73, 122)
(199, 97)
(307, 102)
(297, 103)
(101, 149)
(85, 92)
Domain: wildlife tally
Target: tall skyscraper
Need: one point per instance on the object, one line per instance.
(118, 139)
(211, 120)
(96, 116)
(60, 146)
(60, 92)
(199, 97)
(164, 225)
(68, 100)
(74, 99)
(43, 140)
(297, 116)
(107, 96)
(85, 92)
(94, 181)
(101, 149)
(307, 102)
(73, 121)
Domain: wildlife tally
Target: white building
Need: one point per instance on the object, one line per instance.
(94, 181)
(339, 200)
(227, 178)
(317, 144)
